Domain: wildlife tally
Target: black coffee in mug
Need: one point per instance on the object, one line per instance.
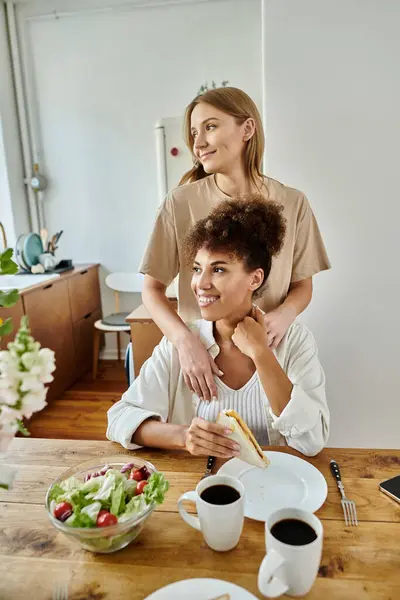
(293, 532)
(220, 494)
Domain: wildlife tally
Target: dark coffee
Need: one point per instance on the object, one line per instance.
(220, 494)
(293, 532)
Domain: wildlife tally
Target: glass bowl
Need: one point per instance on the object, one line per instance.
(102, 539)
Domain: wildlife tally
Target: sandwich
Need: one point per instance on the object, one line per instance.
(250, 450)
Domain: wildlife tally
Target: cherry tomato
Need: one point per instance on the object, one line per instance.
(137, 475)
(103, 511)
(62, 511)
(106, 519)
(140, 487)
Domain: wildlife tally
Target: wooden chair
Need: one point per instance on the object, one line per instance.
(115, 323)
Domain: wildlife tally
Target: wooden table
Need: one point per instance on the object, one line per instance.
(358, 563)
(145, 334)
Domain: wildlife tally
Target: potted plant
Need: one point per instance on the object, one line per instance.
(204, 88)
(25, 369)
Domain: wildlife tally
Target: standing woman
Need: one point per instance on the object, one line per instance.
(224, 133)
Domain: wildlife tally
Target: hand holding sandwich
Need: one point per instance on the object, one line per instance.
(210, 439)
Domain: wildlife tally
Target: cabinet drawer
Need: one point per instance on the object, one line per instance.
(83, 337)
(49, 315)
(84, 293)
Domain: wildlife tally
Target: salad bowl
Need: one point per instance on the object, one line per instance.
(104, 506)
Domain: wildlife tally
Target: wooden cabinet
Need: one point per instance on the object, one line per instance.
(83, 338)
(50, 323)
(84, 297)
(84, 294)
(61, 315)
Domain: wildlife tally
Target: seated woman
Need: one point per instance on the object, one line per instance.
(279, 393)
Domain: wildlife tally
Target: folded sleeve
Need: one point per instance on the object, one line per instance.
(304, 422)
(309, 256)
(147, 397)
(161, 257)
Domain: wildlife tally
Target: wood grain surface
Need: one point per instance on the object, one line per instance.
(360, 563)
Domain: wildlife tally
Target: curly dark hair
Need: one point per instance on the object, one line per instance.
(250, 229)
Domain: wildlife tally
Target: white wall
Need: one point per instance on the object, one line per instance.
(13, 202)
(100, 81)
(6, 215)
(333, 130)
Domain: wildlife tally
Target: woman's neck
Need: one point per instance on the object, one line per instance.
(235, 183)
(225, 328)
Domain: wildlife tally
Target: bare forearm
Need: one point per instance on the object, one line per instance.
(164, 314)
(155, 434)
(277, 386)
(299, 296)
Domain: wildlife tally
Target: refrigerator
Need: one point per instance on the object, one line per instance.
(173, 156)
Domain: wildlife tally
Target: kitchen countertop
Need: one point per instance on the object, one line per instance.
(65, 275)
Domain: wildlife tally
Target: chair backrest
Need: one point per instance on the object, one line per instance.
(125, 282)
(133, 282)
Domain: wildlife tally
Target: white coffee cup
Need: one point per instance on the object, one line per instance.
(288, 569)
(221, 525)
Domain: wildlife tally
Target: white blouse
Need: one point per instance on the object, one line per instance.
(161, 392)
(249, 400)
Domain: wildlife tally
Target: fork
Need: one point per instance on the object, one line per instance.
(348, 506)
(60, 591)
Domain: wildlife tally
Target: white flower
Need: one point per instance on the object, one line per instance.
(8, 395)
(29, 360)
(9, 415)
(39, 364)
(34, 401)
(25, 368)
(47, 364)
(30, 382)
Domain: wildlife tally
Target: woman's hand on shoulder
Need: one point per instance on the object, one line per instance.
(198, 367)
(251, 335)
(278, 322)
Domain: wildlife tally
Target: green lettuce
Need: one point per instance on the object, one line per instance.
(104, 493)
(93, 484)
(130, 486)
(92, 510)
(77, 519)
(55, 492)
(136, 505)
(156, 488)
(72, 483)
(118, 500)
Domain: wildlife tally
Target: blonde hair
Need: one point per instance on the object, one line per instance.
(239, 105)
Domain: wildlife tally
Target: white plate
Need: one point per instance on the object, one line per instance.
(289, 481)
(200, 589)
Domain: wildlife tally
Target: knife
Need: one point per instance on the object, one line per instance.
(58, 235)
(210, 464)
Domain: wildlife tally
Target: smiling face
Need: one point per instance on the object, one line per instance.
(219, 141)
(222, 285)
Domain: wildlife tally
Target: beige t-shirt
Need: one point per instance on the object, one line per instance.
(303, 253)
